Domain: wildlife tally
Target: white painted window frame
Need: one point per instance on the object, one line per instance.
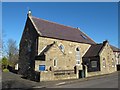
(77, 55)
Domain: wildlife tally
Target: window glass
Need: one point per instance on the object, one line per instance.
(55, 62)
(77, 56)
(94, 64)
(77, 49)
(113, 62)
(77, 62)
(104, 62)
(83, 36)
(61, 47)
(29, 48)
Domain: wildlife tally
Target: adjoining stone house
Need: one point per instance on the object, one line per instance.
(117, 56)
(99, 59)
(50, 51)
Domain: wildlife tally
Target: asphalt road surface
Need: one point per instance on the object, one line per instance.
(107, 81)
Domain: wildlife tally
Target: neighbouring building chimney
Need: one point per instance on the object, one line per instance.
(104, 42)
(78, 28)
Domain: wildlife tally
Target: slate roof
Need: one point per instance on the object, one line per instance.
(41, 56)
(58, 31)
(46, 49)
(115, 49)
(93, 51)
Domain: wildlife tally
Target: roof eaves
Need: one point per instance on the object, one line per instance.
(70, 40)
(35, 25)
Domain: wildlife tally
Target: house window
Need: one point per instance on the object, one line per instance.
(118, 56)
(104, 63)
(113, 62)
(77, 56)
(93, 64)
(55, 62)
(29, 48)
(61, 47)
(83, 36)
(77, 62)
(42, 67)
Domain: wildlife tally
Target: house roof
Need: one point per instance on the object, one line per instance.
(53, 30)
(41, 56)
(115, 49)
(46, 49)
(94, 50)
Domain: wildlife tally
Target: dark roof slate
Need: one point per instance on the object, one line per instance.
(54, 30)
(94, 50)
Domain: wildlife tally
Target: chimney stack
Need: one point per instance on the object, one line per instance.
(104, 42)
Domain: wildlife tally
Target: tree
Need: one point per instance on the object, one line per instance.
(12, 52)
(4, 62)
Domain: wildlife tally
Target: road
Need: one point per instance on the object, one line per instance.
(107, 81)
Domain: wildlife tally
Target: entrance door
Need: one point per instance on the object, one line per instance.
(82, 73)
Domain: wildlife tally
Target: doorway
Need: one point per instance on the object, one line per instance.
(82, 73)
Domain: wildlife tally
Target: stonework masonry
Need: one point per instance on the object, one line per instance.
(66, 60)
(109, 65)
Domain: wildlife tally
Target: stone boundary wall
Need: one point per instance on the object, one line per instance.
(50, 76)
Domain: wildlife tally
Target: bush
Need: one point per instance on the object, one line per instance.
(5, 70)
(4, 63)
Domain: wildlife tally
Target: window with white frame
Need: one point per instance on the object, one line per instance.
(104, 63)
(77, 56)
(93, 64)
(118, 56)
(113, 62)
(61, 47)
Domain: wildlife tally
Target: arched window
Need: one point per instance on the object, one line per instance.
(61, 47)
(113, 62)
(77, 56)
(29, 46)
(118, 56)
(77, 49)
(104, 63)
